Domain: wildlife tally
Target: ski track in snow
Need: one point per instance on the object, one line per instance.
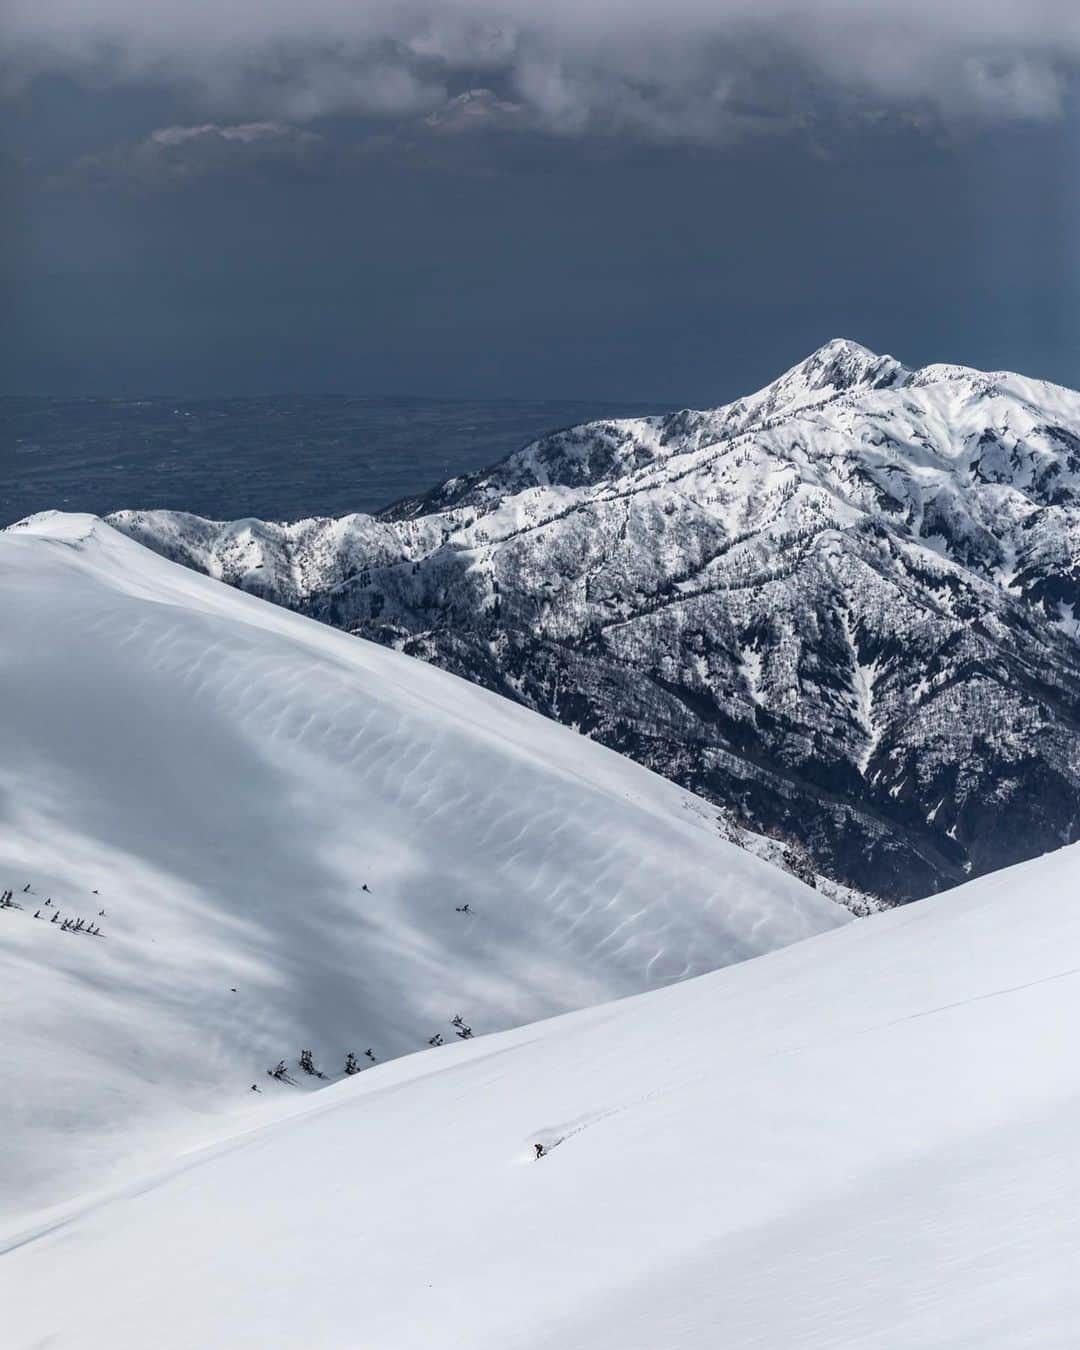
(866, 1141)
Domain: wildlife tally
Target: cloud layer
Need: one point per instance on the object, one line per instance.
(697, 70)
(175, 156)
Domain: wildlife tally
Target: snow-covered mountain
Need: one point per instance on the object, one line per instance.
(290, 839)
(867, 1141)
(846, 605)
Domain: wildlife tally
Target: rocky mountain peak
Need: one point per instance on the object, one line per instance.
(842, 364)
(845, 607)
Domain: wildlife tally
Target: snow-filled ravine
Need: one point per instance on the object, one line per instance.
(867, 1141)
(233, 834)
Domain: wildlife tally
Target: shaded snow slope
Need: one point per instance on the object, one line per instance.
(867, 1141)
(224, 779)
(847, 603)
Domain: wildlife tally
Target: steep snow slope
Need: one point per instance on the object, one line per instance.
(848, 603)
(867, 1141)
(281, 825)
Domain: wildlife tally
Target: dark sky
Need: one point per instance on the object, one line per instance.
(157, 240)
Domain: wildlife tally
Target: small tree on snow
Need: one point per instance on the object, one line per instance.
(351, 1066)
(799, 863)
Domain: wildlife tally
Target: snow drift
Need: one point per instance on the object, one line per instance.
(277, 829)
(866, 1141)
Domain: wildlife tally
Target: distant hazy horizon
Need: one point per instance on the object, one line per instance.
(279, 457)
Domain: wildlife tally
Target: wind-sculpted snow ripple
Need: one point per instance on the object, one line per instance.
(297, 840)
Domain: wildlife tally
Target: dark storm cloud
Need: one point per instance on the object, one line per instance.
(560, 199)
(694, 70)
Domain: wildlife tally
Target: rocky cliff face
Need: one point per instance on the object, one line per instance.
(845, 607)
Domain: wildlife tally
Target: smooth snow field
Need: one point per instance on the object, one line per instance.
(224, 779)
(870, 1140)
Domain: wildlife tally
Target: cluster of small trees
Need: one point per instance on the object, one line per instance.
(280, 1072)
(461, 1030)
(73, 925)
(307, 1063)
(7, 898)
(306, 1060)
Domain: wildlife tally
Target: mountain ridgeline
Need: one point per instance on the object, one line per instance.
(845, 607)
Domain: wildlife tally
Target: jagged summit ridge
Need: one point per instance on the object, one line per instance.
(846, 604)
(842, 364)
(590, 453)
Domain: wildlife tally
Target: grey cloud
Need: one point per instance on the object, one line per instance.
(691, 70)
(175, 156)
(474, 110)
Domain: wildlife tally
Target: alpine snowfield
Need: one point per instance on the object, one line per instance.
(260, 836)
(867, 1141)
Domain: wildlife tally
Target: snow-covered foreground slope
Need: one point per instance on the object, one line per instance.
(277, 828)
(868, 1141)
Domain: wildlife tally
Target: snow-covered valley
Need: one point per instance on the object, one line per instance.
(844, 607)
(290, 839)
(866, 1141)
